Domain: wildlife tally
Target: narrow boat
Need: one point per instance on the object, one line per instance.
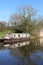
(16, 37)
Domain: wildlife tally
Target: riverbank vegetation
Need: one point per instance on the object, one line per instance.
(24, 21)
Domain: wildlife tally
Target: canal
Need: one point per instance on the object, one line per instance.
(31, 54)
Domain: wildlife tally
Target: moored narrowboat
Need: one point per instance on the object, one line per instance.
(16, 37)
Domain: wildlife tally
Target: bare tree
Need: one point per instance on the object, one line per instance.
(24, 18)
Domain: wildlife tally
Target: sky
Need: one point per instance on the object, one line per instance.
(8, 7)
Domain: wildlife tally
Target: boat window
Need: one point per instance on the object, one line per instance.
(18, 35)
(26, 35)
(14, 45)
(14, 35)
(18, 44)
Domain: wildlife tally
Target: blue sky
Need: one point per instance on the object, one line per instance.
(8, 7)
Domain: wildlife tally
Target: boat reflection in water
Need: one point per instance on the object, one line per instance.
(14, 45)
(31, 54)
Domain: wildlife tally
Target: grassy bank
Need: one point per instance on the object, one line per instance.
(2, 34)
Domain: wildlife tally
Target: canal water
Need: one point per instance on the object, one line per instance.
(31, 54)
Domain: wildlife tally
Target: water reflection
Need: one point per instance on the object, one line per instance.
(23, 53)
(31, 54)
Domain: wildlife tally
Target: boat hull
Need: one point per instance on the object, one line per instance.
(15, 40)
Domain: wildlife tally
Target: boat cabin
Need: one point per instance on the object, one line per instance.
(17, 35)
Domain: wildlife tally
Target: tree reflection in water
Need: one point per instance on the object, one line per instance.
(31, 54)
(23, 53)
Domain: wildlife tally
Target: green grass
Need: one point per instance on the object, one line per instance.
(2, 34)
